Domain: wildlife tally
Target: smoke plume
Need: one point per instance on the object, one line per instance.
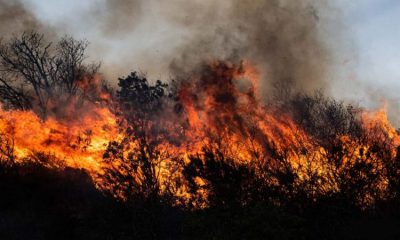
(15, 18)
(118, 17)
(281, 37)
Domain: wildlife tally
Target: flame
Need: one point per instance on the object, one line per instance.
(223, 110)
(220, 109)
(79, 143)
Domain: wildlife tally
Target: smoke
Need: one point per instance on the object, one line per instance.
(280, 36)
(15, 18)
(118, 17)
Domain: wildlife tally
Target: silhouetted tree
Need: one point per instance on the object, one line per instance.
(223, 181)
(323, 117)
(34, 72)
(147, 120)
(393, 172)
(7, 151)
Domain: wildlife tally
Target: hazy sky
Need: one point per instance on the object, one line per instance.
(375, 29)
(367, 65)
(373, 26)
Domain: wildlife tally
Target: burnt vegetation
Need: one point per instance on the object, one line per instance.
(265, 197)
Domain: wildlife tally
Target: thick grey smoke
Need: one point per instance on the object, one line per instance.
(118, 17)
(15, 17)
(280, 36)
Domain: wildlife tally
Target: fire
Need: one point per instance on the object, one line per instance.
(79, 143)
(221, 110)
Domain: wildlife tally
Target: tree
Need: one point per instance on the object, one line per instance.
(323, 117)
(225, 182)
(33, 72)
(147, 120)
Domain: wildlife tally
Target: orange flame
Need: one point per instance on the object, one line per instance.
(220, 112)
(79, 143)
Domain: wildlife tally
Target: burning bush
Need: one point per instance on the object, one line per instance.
(202, 141)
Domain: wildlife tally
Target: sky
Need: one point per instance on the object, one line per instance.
(367, 70)
(374, 32)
